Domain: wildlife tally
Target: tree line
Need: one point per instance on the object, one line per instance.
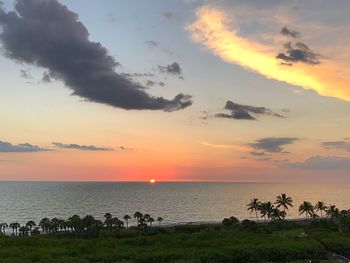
(76, 224)
(278, 210)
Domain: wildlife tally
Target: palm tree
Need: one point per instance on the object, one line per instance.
(3, 227)
(30, 225)
(15, 227)
(266, 209)
(284, 201)
(75, 222)
(87, 222)
(62, 224)
(254, 205)
(116, 223)
(320, 206)
(54, 224)
(159, 220)
(108, 220)
(307, 208)
(45, 224)
(138, 215)
(127, 218)
(278, 214)
(332, 211)
(150, 220)
(24, 230)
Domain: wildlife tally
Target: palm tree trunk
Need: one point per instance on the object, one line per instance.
(256, 214)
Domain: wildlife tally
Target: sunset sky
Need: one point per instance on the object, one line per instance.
(191, 90)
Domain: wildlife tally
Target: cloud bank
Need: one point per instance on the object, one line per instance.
(338, 145)
(212, 30)
(80, 147)
(7, 147)
(47, 34)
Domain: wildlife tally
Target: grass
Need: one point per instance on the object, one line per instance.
(180, 244)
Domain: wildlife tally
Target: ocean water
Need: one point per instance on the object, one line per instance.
(175, 202)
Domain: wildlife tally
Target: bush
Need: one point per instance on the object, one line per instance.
(188, 228)
(278, 225)
(323, 224)
(345, 224)
(230, 221)
(249, 225)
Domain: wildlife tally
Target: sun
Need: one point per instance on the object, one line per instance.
(152, 181)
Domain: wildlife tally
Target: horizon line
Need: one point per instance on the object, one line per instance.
(158, 182)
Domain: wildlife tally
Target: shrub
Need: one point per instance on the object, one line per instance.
(249, 225)
(230, 221)
(323, 224)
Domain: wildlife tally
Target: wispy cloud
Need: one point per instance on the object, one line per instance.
(80, 147)
(245, 112)
(338, 145)
(323, 163)
(172, 69)
(272, 144)
(226, 146)
(289, 32)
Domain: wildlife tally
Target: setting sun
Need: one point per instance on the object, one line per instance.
(152, 181)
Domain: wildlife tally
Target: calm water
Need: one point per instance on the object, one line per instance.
(175, 202)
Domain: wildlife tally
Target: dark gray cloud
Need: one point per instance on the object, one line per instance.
(151, 43)
(289, 32)
(46, 34)
(80, 147)
(339, 145)
(245, 112)
(173, 69)
(323, 163)
(298, 52)
(272, 144)
(19, 148)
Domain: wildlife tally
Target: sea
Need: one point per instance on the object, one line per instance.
(176, 203)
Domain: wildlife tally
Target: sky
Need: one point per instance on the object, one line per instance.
(187, 90)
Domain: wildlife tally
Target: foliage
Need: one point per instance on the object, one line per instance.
(204, 243)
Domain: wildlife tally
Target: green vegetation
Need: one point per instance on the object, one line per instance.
(205, 243)
(277, 240)
(241, 242)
